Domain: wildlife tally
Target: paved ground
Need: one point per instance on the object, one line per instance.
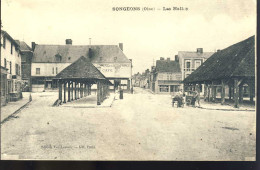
(11, 107)
(142, 126)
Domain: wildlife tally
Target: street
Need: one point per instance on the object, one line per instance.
(142, 126)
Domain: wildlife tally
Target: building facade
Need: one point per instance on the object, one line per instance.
(228, 75)
(49, 60)
(166, 78)
(190, 61)
(26, 63)
(10, 69)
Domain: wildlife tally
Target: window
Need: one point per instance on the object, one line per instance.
(58, 57)
(16, 69)
(197, 63)
(5, 62)
(100, 58)
(38, 70)
(11, 48)
(4, 42)
(52, 70)
(56, 70)
(19, 70)
(187, 65)
(10, 67)
(164, 88)
(115, 58)
(15, 86)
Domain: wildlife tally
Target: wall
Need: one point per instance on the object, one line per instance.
(114, 70)
(15, 58)
(46, 69)
(169, 76)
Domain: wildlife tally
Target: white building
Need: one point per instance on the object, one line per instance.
(191, 60)
(11, 67)
(49, 60)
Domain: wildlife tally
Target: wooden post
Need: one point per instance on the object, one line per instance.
(69, 91)
(251, 91)
(60, 90)
(230, 91)
(241, 93)
(205, 91)
(76, 90)
(101, 91)
(87, 89)
(84, 90)
(208, 93)
(72, 90)
(222, 92)
(65, 83)
(128, 85)
(236, 92)
(79, 90)
(98, 93)
(213, 93)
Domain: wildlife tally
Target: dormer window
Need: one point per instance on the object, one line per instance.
(58, 58)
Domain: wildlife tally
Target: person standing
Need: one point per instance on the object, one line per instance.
(197, 99)
(193, 99)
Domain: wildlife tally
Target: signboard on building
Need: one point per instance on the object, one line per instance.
(115, 70)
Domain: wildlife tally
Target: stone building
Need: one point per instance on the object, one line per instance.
(10, 69)
(49, 60)
(166, 76)
(26, 54)
(190, 61)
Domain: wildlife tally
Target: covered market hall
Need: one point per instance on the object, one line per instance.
(75, 82)
(228, 74)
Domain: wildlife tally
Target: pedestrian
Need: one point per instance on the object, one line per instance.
(184, 99)
(180, 98)
(193, 99)
(197, 99)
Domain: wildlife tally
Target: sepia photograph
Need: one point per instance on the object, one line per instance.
(128, 80)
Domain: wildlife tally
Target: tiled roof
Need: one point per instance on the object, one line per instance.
(70, 53)
(9, 37)
(237, 60)
(81, 68)
(167, 66)
(190, 54)
(23, 46)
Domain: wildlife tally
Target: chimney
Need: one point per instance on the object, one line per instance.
(199, 50)
(121, 46)
(168, 59)
(161, 58)
(90, 53)
(33, 46)
(68, 41)
(176, 58)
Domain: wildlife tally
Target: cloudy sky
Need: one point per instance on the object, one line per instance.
(147, 36)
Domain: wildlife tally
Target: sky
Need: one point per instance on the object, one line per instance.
(146, 35)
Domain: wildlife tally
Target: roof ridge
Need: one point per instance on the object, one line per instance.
(71, 45)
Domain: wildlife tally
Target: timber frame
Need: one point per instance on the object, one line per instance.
(76, 88)
(234, 85)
